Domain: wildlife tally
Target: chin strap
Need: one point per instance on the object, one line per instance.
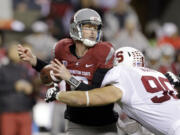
(88, 42)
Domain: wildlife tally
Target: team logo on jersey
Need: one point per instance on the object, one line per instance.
(64, 62)
(89, 65)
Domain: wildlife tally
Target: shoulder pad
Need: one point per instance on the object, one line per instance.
(103, 52)
(61, 46)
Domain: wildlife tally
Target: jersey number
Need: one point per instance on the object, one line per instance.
(159, 85)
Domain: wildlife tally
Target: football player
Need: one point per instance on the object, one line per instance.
(145, 95)
(82, 62)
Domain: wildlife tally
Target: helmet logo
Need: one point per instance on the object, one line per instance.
(120, 57)
(129, 56)
(94, 18)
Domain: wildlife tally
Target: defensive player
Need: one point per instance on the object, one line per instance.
(85, 60)
(145, 94)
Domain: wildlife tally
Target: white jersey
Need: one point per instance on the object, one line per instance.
(147, 97)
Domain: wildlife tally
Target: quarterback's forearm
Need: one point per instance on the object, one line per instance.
(95, 97)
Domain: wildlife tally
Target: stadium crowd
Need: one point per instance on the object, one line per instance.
(39, 24)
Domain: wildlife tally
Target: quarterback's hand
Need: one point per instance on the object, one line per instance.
(173, 79)
(60, 71)
(51, 94)
(26, 55)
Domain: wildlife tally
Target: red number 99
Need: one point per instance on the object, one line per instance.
(160, 84)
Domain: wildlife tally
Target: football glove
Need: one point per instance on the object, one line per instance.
(51, 93)
(173, 79)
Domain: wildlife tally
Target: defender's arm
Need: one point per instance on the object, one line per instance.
(95, 97)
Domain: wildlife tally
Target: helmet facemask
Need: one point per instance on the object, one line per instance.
(82, 17)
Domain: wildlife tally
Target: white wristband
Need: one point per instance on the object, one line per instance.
(87, 98)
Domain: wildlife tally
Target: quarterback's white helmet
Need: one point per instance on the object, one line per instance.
(85, 16)
(129, 56)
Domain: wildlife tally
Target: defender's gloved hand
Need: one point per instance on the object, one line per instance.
(173, 79)
(51, 93)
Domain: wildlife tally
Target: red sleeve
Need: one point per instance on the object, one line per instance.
(104, 54)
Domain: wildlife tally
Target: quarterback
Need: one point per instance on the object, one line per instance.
(145, 95)
(82, 62)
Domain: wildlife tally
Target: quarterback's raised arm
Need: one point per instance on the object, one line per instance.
(26, 55)
(95, 97)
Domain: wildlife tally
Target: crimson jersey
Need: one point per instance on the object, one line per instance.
(90, 69)
(99, 56)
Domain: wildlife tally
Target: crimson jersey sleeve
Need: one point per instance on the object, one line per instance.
(104, 54)
(61, 47)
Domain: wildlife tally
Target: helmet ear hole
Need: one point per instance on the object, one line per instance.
(129, 56)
